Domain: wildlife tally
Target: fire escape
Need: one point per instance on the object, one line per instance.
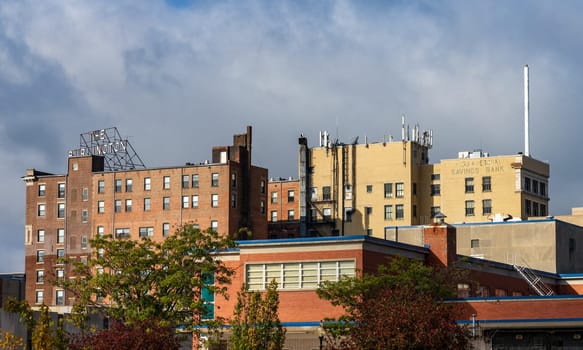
(533, 279)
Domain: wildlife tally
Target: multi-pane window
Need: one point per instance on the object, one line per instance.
(117, 206)
(61, 236)
(291, 214)
(101, 207)
(40, 236)
(214, 200)
(435, 189)
(274, 197)
(146, 232)
(147, 204)
(486, 184)
(326, 193)
(291, 196)
(233, 200)
(60, 297)
(527, 207)
(61, 210)
(185, 181)
(214, 179)
(534, 209)
(40, 276)
(273, 215)
(129, 185)
(117, 187)
(101, 186)
(297, 275)
(122, 232)
(233, 180)
(262, 207)
(166, 182)
(388, 190)
(527, 184)
(543, 210)
(185, 201)
(543, 189)
(194, 180)
(60, 274)
(435, 177)
(166, 203)
(215, 225)
(100, 231)
(475, 243)
(84, 215)
(368, 188)
(166, 229)
(435, 210)
(61, 191)
(147, 184)
(195, 201)
(400, 189)
(60, 253)
(399, 211)
(388, 212)
(83, 242)
(469, 208)
(535, 186)
(39, 297)
(85, 194)
(262, 185)
(42, 190)
(469, 184)
(41, 210)
(486, 206)
(40, 256)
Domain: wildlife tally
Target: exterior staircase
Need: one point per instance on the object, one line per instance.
(533, 279)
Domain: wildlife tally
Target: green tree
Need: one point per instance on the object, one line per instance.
(158, 282)
(400, 307)
(256, 324)
(10, 341)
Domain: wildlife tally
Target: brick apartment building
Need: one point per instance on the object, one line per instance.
(101, 195)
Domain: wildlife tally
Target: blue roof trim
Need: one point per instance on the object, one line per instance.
(505, 222)
(523, 320)
(571, 275)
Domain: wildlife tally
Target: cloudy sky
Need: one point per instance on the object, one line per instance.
(177, 77)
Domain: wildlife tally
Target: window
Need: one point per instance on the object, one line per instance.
(117, 187)
(262, 185)
(166, 183)
(262, 207)
(500, 292)
(40, 256)
(40, 276)
(414, 188)
(291, 214)
(101, 207)
(543, 210)
(369, 231)
(39, 298)
(215, 180)
(129, 185)
(475, 243)
(291, 194)
(146, 232)
(185, 181)
(214, 200)
(195, 201)
(83, 242)
(368, 188)
(165, 229)
(534, 209)
(122, 233)
(436, 190)
(41, 210)
(348, 214)
(40, 236)
(166, 203)
(414, 210)
(274, 197)
(435, 177)
(117, 207)
(215, 225)
(60, 253)
(463, 290)
(147, 204)
(327, 213)
(60, 274)
(486, 207)
(274, 216)
(60, 210)
(61, 236)
(388, 212)
(100, 231)
(368, 210)
(535, 186)
(61, 191)
(314, 193)
(326, 193)
(527, 207)
(486, 184)
(42, 190)
(388, 190)
(527, 184)
(233, 180)
(194, 180)
(435, 210)
(147, 184)
(399, 211)
(469, 184)
(185, 201)
(85, 194)
(60, 297)
(469, 208)
(483, 291)
(233, 200)
(543, 189)
(84, 215)
(297, 275)
(400, 189)
(101, 186)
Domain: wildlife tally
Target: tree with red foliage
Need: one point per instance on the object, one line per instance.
(400, 307)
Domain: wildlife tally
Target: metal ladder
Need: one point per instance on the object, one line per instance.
(533, 280)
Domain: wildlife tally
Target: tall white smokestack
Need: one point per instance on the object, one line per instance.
(526, 110)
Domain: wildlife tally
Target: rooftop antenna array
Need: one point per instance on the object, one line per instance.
(117, 152)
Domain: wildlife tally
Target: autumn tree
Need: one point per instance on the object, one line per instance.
(256, 324)
(147, 282)
(400, 307)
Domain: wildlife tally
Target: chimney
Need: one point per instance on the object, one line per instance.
(441, 240)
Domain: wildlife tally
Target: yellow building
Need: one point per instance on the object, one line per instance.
(371, 188)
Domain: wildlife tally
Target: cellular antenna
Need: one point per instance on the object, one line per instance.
(526, 111)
